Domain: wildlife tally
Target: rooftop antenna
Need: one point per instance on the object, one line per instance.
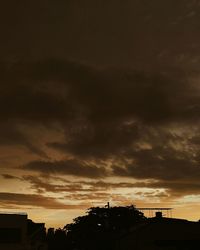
(108, 205)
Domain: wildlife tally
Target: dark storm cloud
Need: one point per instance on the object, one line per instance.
(68, 167)
(104, 115)
(178, 188)
(42, 185)
(79, 97)
(162, 162)
(23, 95)
(19, 200)
(12, 135)
(98, 140)
(139, 33)
(120, 100)
(10, 177)
(156, 164)
(60, 90)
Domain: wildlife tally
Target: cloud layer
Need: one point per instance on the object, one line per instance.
(94, 102)
(112, 122)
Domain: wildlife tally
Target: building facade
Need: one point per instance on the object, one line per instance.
(19, 233)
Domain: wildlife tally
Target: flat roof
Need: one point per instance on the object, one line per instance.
(154, 208)
(13, 213)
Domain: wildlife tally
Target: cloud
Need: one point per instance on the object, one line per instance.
(67, 167)
(117, 99)
(39, 185)
(101, 191)
(20, 200)
(64, 91)
(177, 188)
(136, 35)
(98, 141)
(140, 124)
(10, 177)
(153, 164)
(12, 135)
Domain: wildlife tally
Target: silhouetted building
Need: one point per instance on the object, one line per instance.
(36, 235)
(50, 232)
(13, 231)
(162, 233)
(19, 233)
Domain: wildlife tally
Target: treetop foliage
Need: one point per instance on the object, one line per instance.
(102, 222)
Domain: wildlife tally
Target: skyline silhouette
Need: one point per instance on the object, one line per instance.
(116, 228)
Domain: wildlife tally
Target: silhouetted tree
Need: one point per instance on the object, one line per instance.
(100, 228)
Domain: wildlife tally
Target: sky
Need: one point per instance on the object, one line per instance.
(99, 101)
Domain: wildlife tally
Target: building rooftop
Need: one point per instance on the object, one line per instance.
(14, 213)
